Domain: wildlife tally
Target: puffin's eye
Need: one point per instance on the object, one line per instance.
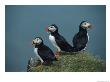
(84, 23)
(52, 27)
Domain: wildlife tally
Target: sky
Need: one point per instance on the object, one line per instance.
(24, 23)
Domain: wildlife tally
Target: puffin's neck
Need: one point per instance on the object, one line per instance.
(55, 33)
(39, 46)
(82, 30)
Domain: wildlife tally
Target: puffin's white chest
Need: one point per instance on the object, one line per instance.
(52, 39)
(88, 36)
(86, 44)
(36, 52)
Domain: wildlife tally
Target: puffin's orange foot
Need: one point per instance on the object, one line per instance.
(57, 55)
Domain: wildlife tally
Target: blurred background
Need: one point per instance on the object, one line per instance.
(24, 23)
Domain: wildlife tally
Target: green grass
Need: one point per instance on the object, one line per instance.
(74, 62)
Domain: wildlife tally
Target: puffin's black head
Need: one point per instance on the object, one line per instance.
(85, 25)
(37, 41)
(52, 28)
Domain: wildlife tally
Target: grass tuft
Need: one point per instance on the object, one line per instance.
(74, 62)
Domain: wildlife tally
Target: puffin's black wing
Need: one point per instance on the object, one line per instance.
(46, 53)
(80, 41)
(63, 44)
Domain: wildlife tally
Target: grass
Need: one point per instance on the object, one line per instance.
(74, 62)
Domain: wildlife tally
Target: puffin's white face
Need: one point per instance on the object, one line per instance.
(52, 29)
(86, 25)
(37, 41)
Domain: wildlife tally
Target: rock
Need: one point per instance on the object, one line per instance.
(32, 62)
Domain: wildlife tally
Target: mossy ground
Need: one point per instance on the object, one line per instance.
(74, 62)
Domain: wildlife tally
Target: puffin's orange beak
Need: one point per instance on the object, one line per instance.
(33, 42)
(90, 26)
(46, 29)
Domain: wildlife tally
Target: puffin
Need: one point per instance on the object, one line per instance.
(81, 38)
(58, 41)
(43, 52)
